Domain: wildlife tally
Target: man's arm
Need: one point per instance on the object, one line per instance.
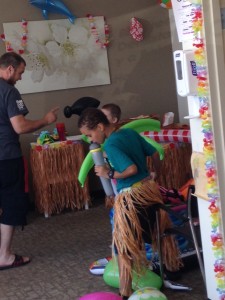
(22, 125)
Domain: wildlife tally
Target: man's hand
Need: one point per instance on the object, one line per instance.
(22, 125)
(51, 116)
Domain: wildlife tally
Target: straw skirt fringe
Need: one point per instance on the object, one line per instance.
(127, 235)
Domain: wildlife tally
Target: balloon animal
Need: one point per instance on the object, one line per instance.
(139, 126)
(98, 159)
(80, 105)
(54, 6)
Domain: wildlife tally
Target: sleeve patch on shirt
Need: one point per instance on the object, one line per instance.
(20, 104)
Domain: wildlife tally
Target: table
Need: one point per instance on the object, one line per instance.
(55, 169)
(176, 165)
(170, 135)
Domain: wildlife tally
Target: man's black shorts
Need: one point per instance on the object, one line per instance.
(13, 199)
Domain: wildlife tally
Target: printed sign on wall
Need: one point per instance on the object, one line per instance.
(183, 14)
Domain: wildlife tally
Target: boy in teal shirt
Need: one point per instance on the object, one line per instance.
(134, 216)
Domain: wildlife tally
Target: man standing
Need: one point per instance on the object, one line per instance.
(13, 201)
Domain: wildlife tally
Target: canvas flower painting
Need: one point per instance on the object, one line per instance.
(60, 55)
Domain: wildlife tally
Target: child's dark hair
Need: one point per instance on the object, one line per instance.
(114, 110)
(91, 117)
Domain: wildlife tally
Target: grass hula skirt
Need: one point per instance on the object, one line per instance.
(127, 235)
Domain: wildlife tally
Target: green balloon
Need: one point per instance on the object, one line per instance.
(148, 279)
(156, 145)
(142, 125)
(85, 138)
(86, 166)
(148, 293)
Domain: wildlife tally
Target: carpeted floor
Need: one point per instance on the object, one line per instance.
(62, 248)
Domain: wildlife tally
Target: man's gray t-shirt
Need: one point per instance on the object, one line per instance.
(11, 105)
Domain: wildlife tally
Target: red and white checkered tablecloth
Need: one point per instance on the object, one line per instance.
(169, 135)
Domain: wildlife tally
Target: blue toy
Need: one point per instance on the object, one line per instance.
(54, 6)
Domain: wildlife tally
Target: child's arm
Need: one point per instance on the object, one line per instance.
(157, 164)
(103, 171)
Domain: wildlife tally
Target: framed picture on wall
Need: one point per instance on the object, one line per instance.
(59, 54)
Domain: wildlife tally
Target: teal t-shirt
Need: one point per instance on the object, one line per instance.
(124, 148)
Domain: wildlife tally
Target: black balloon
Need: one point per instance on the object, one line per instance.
(80, 105)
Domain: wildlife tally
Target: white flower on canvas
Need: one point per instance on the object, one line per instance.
(61, 55)
(71, 51)
(38, 61)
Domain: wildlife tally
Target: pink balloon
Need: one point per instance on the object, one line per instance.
(101, 295)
